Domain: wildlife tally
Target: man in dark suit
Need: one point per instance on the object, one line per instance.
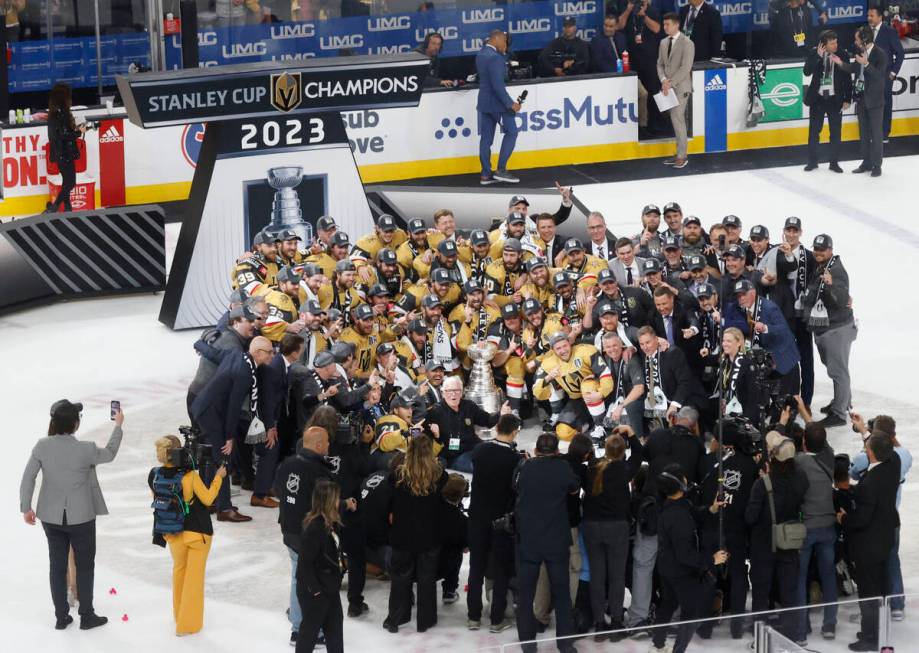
(870, 76)
(495, 106)
(546, 228)
(676, 324)
(701, 22)
(829, 94)
(606, 49)
(791, 25)
(871, 528)
(218, 410)
(273, 403)
(602, 243)
(668, 379)
(887, 39)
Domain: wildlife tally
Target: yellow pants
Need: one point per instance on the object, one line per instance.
(189, 557)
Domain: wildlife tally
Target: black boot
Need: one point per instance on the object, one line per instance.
(91, 621)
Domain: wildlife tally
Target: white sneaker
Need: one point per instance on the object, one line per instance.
(506, 177)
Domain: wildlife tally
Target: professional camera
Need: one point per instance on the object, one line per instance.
(740, 433)
(193, 454)
(559, 57)
(350, 427)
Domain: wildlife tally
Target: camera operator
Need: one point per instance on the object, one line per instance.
(68, 502)
(324, 384)
(490, 522)
(226, 407)
(686, 574)
(565, 55)
(349, 457)
(544, 536)
(182, 520)
(678, 444)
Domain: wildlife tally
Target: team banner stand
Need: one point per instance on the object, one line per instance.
(275, 154)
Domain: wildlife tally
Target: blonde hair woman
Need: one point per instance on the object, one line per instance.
(415, 509)
(736, 380)
(182, 520)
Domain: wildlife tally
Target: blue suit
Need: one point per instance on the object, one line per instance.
(494, 106)
(777, 340)
(889, 41)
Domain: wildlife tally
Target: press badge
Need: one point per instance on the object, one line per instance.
(800, 37)
(454, 444)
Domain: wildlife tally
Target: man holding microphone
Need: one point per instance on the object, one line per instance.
(495, 106)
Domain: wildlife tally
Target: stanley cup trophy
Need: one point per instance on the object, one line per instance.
(285, 209)
(481, 387)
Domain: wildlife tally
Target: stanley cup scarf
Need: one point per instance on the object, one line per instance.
(729, 385)
(256, 432)
(442, 351)
(709, 331)
(481, 327)
(800, 284)
(620, 386)
(656, 401)
(818, 316)
(754, 318)
(508, 289)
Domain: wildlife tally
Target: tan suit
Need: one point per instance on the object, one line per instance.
(675, 64)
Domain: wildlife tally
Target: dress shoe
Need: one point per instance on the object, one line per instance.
(63, 622)
(826, 409)
(861, 169)
(863, 645)
(835, 167)
(263, 502)
(831, 421)
(232, 515)
(357, 609)
(390, 625)
(810, 166)
(875, 172)
(669, 162)
(91, 621)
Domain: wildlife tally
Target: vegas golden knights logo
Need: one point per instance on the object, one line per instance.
(285, 91)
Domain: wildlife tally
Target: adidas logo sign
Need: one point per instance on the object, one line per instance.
(111, 135)
(716, 83)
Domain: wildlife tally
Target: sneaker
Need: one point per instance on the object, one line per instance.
(92, 621)
(886, 141)
(640, 630)
(357, 609)
(293, 638)
(506, 177)
(666, 648)
(680, 163)
(826, 409)
(473, 624)
(62, 623)
(669, 162)
(801, 642)
(828, 631)
(897, 615)
(487, 181)
(500, 627)
(450, 597)
(831, 421)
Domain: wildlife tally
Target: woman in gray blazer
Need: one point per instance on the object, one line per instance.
(68, 503)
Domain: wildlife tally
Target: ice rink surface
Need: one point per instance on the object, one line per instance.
(97, 350)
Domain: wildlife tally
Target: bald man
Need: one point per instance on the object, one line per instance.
(223, 413)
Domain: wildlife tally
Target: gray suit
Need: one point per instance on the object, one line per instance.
(619, 270)
(675, 64)
(69, 480)
(870, 108)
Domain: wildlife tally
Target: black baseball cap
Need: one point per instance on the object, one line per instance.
(608, 307)
(417, 326)
(516, 218)
(672, 206)
(731, 221)
(513, 245)
(345, 265)
(672, 242)
(313, 307)
(238, 296)
(342, 350)
(447, 247)
(705, 290)
(696, 262)
(363, 312)
(691, 219)
(243, 312)
(325, 223)
(793, 222)
(407, 303)
(385, 348)
(441, 275)
(416, 226)
(742, 286)
(288, 234)
(262, 238)
(651, 265)
(735, 251)
(557, 337)
(431, 301)
(472, 285)
(287, 273)
(517, 199)
(759, 232)
(432, 365)
(387, 256)
(560, 279)
(650, 208)
(379, 290)
(606, 275)
(311, 270)
(386, 223)
(823, 241)
(510, 310)
(341, 239)
(531, 306)
(536, 262)
(478, 237)
(573, 245)
(569, 21)
(399, 400)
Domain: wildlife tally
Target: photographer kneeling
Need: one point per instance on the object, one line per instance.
(183, 521)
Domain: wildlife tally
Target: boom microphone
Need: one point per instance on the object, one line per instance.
(522, 97)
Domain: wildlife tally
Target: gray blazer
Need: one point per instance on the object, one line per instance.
(619, 270)
(678, 66)
(69, 480)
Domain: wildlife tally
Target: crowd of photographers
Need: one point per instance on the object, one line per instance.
(332, 390)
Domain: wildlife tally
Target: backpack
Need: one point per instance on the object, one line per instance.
(169, 508)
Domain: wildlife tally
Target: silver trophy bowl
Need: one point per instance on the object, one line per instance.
(481, 386)
(285, 209)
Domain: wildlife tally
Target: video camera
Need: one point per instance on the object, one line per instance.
(193, 454)
(740, 433)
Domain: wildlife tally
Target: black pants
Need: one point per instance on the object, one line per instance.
(243, 462)
(320, 612)
(68, 181)
(82, 537)
(871, 577)
(834, 120)
(407, 567)
(485, 543)
(691, 596)
(527, 576)
(805, 342)
(354, 546)
(871, 135)
(448, 567)
(781, 570)
(888, 105)
(266, 467)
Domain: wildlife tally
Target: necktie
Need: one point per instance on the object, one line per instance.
(668, 327)
(690, 19)
(669, 46)
(600, 252)
(628, 275)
